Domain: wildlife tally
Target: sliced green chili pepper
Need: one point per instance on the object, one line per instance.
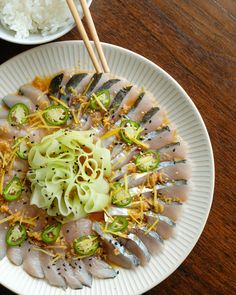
(147, 161)
(130, 131)
(13, 189)
(51, 233)
(22, 148)
(120, 224)
(16, 235)
(120, 197)
(86, 245)
(103, 96)
(56, 115)
(18, 114)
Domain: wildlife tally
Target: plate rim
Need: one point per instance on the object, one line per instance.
(181, 90)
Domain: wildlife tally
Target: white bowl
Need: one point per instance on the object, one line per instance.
(34, 39)
(51, 58)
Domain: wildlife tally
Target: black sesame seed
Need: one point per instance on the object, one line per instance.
(67, 230)
(49, 267)
(90, 265)
(58, 268)
(173, 150)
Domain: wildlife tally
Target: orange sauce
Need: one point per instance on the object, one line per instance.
(41, 83)
(96, 216)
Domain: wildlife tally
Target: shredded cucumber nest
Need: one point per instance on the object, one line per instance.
(68, 174)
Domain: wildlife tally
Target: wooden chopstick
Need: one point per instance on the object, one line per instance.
(85, 38)
(94, 35)
(84, 35)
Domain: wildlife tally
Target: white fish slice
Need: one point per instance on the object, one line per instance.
(99, 268)
(172, 210)
(82, 85)
(152, 240)
(162, 139)
(3, 111)
(165, 226)
(175, 151)
(136, 190)
(81, 273)
(147, 102)
(14, 255)
(10, 100)
(20, 165)
(177, 191)
(181, 170)
(35, 94)
(52, 275)
(123, 157)
(32, 263)
(137, 247)
(170, 170)
(8, 131)
(104, 78)
(3, 230)
(115, 252)
(156, 121)
(76, 229)
(68, 273)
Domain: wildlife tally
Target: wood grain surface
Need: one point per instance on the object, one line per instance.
(195, 42)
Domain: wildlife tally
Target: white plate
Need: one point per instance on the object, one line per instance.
(33, 39)
(51, 58)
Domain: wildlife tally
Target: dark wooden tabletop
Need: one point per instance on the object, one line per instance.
(195, 42)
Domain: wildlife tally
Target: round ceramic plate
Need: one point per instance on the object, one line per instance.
(34, 39)
(54, 57)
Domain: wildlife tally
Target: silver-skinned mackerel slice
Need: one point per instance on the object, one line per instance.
(165, 226)
(134, 191)
(126, 170)
(117, 211)
(116, 253)
(150, 238)
(135, 245)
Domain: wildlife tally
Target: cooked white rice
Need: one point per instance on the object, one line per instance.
(34, 16)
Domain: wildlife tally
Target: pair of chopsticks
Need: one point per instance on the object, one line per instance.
(103, 67)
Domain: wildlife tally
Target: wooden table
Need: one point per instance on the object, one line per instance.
(194, 41)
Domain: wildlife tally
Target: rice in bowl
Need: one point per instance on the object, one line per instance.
(34, 16)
